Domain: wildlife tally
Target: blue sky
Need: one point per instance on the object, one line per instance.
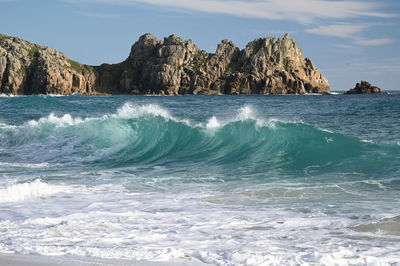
(347, 40)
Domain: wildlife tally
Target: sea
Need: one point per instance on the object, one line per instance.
(194, 180)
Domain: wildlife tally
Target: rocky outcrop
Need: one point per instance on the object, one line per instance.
(169, 67)
(27, 68)
(364, 88)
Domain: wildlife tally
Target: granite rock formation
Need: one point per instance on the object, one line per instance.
(27, 68)
(364, 88)
(169, 67)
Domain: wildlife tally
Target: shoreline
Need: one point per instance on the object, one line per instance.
(37, 260)
(2, 95)
(11, 259)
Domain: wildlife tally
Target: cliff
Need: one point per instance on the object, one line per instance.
(27, 68)
(169, 67)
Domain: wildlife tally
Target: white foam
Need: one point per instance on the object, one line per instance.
(5, 126)
(374, 182)
(273, 122)
(25, 165)
(127, 111)
(52, 95)
(325, 130)
(367, 141)
(184, 225)
(65, 120)
(133, 111)
(246, 112)
(3, 95)
(213, 123)
(27, 191)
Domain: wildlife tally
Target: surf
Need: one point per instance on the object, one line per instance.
(148, 135)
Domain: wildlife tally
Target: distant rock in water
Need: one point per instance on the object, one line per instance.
(169, 67)
(364, 88)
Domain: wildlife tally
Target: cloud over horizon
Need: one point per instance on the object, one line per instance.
(344, 30)
(301, 11)
(348, 31)
(304, 12)
(372, 42)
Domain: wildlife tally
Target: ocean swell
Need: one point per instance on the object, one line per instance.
(148, 135)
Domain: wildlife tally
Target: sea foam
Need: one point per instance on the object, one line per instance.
(128, 177)
(65, 120)
(27, 191)
(129, 110)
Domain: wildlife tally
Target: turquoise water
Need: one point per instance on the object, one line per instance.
(225, 180)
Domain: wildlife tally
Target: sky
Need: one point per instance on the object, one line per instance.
(347, 40)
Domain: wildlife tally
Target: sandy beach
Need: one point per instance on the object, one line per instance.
(32, 260)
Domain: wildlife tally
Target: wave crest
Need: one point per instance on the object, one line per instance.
(129, 110)
(143, 135)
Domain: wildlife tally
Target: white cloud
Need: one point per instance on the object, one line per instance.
(347, 49)
(346, 46)
(338, 30)
(306, 12)
(93, 15)
(303, 11)
(349, 31)
(372, 42)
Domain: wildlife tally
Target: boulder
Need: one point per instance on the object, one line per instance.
(364, 88)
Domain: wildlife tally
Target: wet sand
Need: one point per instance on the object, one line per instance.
(32, 260)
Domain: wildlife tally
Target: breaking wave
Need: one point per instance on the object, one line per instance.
(143, 135)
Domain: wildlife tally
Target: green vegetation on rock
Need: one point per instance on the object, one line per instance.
(80, 68)
(34, 54)
(34, 50)
(76, 66)
(22, 70)
(199, 60)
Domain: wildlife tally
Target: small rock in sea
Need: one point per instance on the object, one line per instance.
(364, 88)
